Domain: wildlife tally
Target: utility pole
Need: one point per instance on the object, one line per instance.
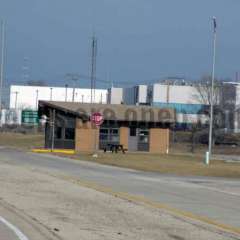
(93, 67)
(212, 92)
(25, 70)
(74, 77)
(52, 122)
(16, 99)
(2, 61)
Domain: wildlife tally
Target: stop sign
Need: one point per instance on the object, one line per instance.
(97, 118)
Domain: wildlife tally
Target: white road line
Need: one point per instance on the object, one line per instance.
(17, 232)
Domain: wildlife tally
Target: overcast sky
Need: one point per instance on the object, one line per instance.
(138, 40)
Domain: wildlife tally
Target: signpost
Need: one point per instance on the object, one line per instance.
(30, 117)
(97, 119)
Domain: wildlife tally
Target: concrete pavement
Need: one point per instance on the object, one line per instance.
(6, 233)
(217, 199)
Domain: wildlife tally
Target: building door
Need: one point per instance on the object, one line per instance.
(143, 140)
(133, 139)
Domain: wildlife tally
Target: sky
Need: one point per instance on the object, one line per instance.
(138, 40)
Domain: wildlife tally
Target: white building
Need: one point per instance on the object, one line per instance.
(27, 97)
(183, 98)
(231, 105)
(115, 95)
(136, 95)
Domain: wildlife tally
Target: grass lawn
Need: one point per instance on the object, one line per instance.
(169, 164)
(179, 164)
(21, 141)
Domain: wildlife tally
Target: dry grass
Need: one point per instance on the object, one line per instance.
(169, 164)
(21, 141)
(179, 163)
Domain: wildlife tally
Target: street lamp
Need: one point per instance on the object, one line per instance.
(37, 91)
(51, 89)
(66, 92)
(2, 61)
(209, 153)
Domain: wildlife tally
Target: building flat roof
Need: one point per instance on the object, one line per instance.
(115, 112)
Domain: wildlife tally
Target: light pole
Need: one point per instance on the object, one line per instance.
(51, 89)
(66, 92)
(2, 61)
(74, 77)
(16, 98)
(51, 122)
(37, 99)
(209, 153)
(53, 129)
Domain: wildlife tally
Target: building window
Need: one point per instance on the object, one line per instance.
(103, 134)
(143, 136)
(58, 132)
(133, 132)
(69, 133)
(109, 135)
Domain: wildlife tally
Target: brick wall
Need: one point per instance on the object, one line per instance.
(87, 137)
(159, 140)
(124, 133)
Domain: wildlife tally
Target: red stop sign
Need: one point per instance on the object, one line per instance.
(97, 119)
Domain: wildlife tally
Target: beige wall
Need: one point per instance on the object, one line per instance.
(87, 137)
(124, 133)
(158, 140)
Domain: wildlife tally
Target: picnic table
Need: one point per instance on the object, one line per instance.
(115, 148)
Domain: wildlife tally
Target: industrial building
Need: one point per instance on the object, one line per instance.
(136, 128)
(27, 97)
(182, 98)
(231, 104)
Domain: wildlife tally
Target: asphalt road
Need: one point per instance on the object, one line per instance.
(215, 198)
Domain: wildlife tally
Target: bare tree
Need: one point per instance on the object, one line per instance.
(203, 96)
(203, 91)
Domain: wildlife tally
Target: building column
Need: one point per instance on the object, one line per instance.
(86, 137)
(124, 133)
(159, 140)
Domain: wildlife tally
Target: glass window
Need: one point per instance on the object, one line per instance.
(103, 131)
(114, 131)
(103, 137)
(114, 138)
(143, 136)
(109, 134)
(58, 132)
(143, 139)
(70, 133)
(133, 132)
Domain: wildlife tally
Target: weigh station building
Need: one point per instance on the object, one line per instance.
(68, 125)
